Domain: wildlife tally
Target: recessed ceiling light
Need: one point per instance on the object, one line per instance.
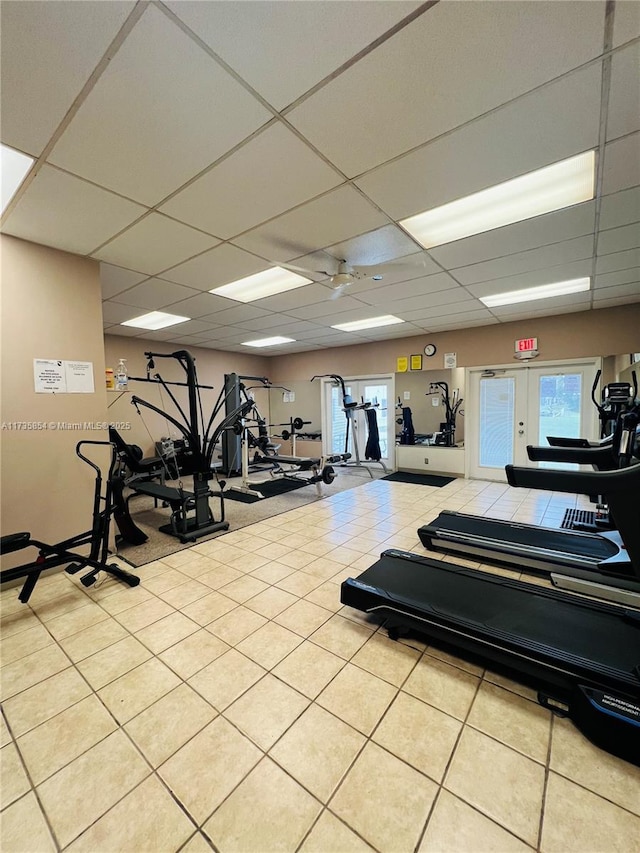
(261, 284)
(155, 320)
(268, 342)
(544, 291)
(552, 188)
(13, 170)
(371, 323)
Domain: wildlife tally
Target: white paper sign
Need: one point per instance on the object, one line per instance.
(49, 376)
(450, 360)
(79, 376)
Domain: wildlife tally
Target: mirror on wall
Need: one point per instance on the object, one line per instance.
(298, 400)
(422, 392)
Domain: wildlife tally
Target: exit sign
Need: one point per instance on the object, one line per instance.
(526, 345)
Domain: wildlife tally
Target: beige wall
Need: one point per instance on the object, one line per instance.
(607, 331)
(51, 308)
(211, 365)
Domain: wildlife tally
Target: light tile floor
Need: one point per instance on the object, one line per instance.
(230, 701)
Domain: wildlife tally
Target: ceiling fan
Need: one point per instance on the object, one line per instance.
(346, 274)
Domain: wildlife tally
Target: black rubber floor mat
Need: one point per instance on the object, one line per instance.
(419, 479)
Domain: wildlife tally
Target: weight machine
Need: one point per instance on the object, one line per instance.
(97, 538)
(289, 471)
(447, 434)
(191, 515)
(350, 407)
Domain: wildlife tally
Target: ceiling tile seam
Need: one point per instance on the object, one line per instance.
(524, 272)
(384, 37)
(115, 45)
(609, 16)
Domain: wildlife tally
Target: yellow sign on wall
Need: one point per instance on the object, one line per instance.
(402, 365)
(416, 362)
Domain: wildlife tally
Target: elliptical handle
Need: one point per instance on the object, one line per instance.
(95, 467)
(598, 406)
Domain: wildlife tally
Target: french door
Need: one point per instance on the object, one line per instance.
(378, 391)
(513, 407)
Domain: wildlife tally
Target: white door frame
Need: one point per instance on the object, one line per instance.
(472, 407)
(391, 435)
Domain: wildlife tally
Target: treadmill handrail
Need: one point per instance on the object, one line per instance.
(596, 456)
(580, 482)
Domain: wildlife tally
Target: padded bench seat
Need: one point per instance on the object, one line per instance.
(162, 493)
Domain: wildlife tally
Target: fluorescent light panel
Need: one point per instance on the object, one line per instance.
(155, 320)
(552, 188)
(268, 342)
(544, 291)
(371, 323)
(261, 284)
(13, 170)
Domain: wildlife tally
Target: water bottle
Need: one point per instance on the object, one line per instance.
(122, 379)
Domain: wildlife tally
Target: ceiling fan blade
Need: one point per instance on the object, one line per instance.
(304, 270)
(390, 266)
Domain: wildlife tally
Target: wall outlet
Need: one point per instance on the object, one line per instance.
(426, 460)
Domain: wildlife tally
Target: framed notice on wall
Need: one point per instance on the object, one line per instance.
(402, 364)
(416, 362)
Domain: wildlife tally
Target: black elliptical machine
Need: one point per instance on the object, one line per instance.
(105, 505)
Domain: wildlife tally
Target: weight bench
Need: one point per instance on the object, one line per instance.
(181, 503)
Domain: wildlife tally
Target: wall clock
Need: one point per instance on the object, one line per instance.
(430, 350)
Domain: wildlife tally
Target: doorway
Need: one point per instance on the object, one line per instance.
(377, 390)
(517, 406)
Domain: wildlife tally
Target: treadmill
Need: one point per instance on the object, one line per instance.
(592, 563)
(582, 656)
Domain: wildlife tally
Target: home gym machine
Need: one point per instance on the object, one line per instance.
(582, 656)
(350, 407)
(408, 433)
(191, 514)
(97, 538)
(447, 433)
(284, 473)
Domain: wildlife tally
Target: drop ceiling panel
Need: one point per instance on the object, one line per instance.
(235, 333)
(312, 38)
(193, 327)
(535, 41)
(237, 314)
(448, 310)
(162, 111)
(533, 278)
(412, 308)
(621, 164)
(619, 239)
(618, 261)
(621, 300)
(116, 279)
(545, 256)
(49, 51)
(115, 312)
(128, 332)
(53, 211)
(466, 324)
(622, 290)
(270, 174)
(624, 93)
(619, 277)
(563, 118)
(204, 305)
(330, 308)
(266, 323)
(161, 335)
(310, 294)
(154, 244)
(461, 318)
(405, 290)
(213, 269)
(542, 230)
(155, 294)
(380, 247)
(339, 215)
(620, 209)
(626, 21)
